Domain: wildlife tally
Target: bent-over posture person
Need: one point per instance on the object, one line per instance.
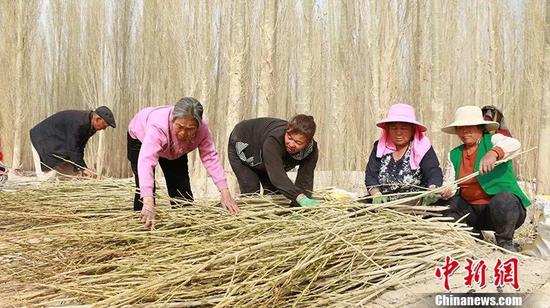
(164, 135)
(402, 159)
(493, 200)
(65, 134)
(262, 150)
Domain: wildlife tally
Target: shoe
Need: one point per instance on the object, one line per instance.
(508, 245)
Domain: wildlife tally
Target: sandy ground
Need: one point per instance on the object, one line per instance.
(533, 278)
(533, 273)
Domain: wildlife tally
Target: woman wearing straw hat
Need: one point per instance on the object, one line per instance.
(403, 159)
(493, 200)
(164, 135)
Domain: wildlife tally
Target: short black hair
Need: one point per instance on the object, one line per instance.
(302, 124)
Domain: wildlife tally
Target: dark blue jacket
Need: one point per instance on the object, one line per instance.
(429, 166)
(64, 134)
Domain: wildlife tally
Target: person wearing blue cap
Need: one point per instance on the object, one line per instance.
(58, 142)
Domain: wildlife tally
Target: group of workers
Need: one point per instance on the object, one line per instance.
(403, 161)
(262, 150)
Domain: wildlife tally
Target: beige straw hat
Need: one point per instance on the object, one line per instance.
(469, 116)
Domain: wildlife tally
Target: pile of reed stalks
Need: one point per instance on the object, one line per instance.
(79, 242)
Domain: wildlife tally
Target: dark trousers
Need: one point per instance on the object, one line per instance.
(504, 214)
(249, 179)
(176, 173)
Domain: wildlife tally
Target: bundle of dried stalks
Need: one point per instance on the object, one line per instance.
(77, 242)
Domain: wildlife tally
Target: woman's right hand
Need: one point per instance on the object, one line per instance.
(378, 198)
(228, 202)
(304, 201)
(147, 215)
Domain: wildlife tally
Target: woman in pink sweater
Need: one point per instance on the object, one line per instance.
(164, 135)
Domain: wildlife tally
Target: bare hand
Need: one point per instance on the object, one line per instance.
(487, 163)
(147, 215)
(91, 173)
(447, 193)
(86, 173)
(228, 202)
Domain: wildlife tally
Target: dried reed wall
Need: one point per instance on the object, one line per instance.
(345, 62)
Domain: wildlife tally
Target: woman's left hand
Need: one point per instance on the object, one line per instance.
(228, 202)
(487, 163)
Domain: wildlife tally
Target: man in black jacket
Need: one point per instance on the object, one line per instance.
(262, 150)
(65, 134)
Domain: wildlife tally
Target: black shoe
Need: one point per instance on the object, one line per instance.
(508, 245)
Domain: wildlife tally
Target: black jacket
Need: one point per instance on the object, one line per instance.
(64, 134)
(429, 166)
(265, 139)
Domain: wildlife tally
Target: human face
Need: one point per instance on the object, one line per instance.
(401, 133)
(469, 135)
(295, 143)
(99, 124)
(185, 128)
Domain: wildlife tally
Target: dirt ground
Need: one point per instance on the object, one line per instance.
(533, 277)
(533, 273)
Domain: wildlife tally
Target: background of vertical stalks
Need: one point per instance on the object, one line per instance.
(344, 62)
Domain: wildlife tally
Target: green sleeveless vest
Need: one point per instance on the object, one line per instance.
(502, 178)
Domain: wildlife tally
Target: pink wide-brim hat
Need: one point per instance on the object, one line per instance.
(402, 113)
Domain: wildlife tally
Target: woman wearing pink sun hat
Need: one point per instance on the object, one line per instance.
(403, 159)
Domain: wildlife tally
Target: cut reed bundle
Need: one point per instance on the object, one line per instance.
(79, 242)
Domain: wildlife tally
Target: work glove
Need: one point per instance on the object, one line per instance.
(379, 198)
(296, 217)
(306, 202)
(431, 198)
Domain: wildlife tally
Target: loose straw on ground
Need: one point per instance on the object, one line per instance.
(79, 242)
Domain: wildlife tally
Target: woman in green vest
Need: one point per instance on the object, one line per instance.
(493, 200)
